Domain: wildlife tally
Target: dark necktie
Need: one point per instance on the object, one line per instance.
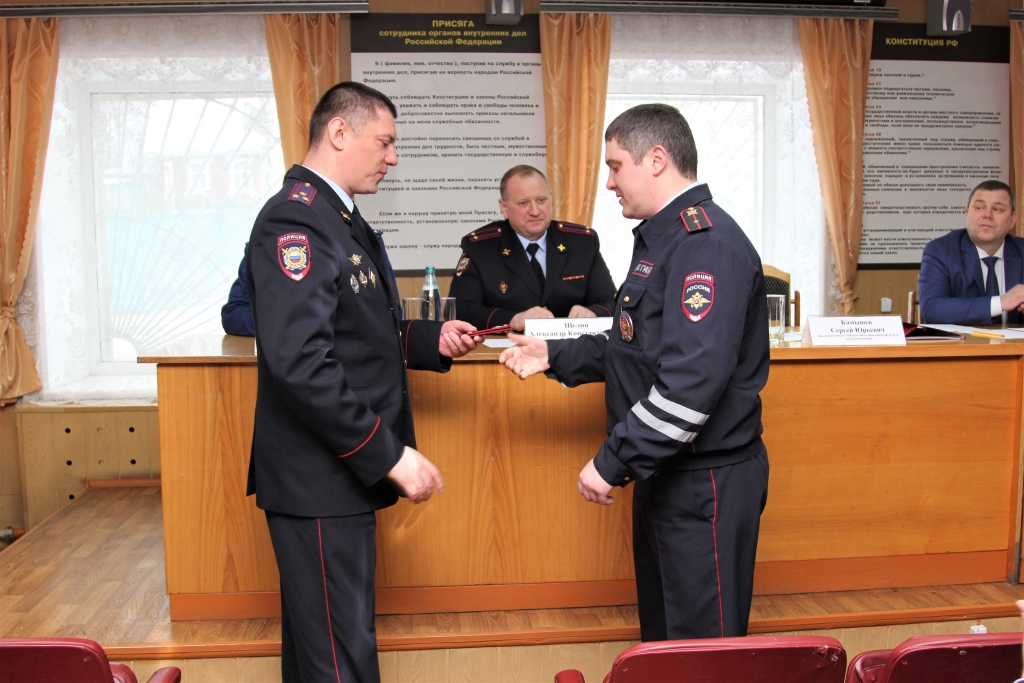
(537, 270)
(992, 284)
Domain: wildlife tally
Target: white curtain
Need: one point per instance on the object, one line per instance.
(117, 271)
(740, 82)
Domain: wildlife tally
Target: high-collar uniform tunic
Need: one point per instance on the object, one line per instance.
(683, 366)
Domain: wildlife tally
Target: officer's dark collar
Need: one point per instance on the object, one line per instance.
(301, 173)
(665, 219)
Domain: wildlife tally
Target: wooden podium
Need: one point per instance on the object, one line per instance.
(895, 466)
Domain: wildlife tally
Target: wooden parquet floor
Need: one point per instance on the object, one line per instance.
(95, 570)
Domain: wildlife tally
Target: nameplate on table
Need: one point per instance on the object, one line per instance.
(566, 328)
(854, 330)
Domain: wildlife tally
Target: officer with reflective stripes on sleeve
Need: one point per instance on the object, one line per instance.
(683, 366)
(333, 438)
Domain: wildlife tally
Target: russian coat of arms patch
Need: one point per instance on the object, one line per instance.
(293, 255)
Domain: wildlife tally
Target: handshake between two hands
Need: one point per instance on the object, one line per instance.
(417, 478)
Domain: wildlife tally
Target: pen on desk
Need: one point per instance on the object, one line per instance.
(987, 335)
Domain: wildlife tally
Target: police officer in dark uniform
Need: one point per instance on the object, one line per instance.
(683, 366)
(333, 439)
(529, 266)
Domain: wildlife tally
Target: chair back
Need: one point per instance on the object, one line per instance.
(777, 282)
(962, 658)
(760, 659)
(913, 308)
(53, 660)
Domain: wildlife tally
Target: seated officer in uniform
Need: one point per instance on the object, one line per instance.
(973, 276)
(528, 266)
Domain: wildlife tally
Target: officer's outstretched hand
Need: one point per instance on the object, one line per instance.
(457, 339)
(415, 476)
(592, 487)
(528, 357)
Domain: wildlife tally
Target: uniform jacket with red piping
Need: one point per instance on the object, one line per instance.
(333, 412)
(494, 279)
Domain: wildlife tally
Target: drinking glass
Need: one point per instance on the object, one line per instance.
(776, 318)
(448, 308)
(411, 308)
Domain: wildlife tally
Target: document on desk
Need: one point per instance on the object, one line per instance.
(991, 332)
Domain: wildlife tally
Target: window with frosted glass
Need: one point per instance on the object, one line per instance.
(729, 132)
(177, 182)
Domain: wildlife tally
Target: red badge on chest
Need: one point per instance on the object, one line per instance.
(698, 295)
(293, 255)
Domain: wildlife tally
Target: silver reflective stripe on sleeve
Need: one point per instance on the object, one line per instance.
(664, 427)
(682, 412)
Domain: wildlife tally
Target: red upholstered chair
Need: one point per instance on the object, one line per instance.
(937, 659)
(63, 660)
(760, 659)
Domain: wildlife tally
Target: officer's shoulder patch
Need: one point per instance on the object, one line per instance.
(463, 264)
(695, 219)
(574, 228)
(293, 254)
(488, 232)
(304, 193)
(698, 295)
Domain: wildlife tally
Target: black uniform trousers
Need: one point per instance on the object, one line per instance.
(694, 542)
(327, 627)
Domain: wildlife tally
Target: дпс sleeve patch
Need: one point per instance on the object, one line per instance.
(293, 255)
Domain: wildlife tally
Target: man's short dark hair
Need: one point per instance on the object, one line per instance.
(994, 185)
(639, 129)
(521, 171)
(354, 102)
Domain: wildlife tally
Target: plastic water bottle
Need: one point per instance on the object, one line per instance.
(430, 297)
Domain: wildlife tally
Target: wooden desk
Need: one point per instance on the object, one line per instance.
(896, 466)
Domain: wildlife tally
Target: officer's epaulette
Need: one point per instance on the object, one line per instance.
(303, 193)
(574, 228)
(695, 219)
(487, 232)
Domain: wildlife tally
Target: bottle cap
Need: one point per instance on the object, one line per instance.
(430, 270)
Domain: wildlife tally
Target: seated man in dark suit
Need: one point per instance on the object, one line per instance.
(529, 266)
(236, 314)
(973, 276)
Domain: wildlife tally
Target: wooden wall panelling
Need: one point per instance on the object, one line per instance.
(10, 470)
(898, 483)
(38, 467)
(215, 539)
(95, 440)
(138, 443)
(1015, 522)
(512, 480)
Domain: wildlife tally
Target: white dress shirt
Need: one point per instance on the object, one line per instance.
(688, 188)
(996, 307)
(542, 253)
(346, 200)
